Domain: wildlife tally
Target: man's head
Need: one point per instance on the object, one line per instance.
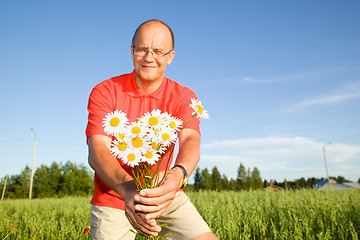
(155, 20)
(152, 50)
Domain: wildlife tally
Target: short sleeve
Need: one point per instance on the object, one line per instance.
(185, 111)
(100, 103)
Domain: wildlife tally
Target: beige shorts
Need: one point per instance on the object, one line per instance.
(184, 221)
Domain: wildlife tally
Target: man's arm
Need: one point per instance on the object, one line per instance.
(116, 178)
(155, 201)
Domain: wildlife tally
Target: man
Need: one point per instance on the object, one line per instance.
(116, 204)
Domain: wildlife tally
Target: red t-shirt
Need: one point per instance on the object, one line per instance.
(122, 93)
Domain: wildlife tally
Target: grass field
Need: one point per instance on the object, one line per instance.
(301, 214)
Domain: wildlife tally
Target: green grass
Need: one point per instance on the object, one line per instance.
(301, 214)
(64, 218)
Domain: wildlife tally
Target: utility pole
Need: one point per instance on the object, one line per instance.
(3, 191)
(326, 167)
(32, 168)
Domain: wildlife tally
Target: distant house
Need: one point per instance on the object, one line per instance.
(273, 187)
(324, 185)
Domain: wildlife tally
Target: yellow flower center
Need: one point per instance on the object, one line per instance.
(200, 109)
(172, 124)
(114, 122)
(149, 154)
(155, 146)
(136, 130)
(122, 146)
(165, 136)
(121, 136)
(137, 142)
(153, 121)
(131, 157)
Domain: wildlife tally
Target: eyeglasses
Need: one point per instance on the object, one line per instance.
(157, 54)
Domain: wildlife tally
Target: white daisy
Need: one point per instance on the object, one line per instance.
(165, 118)
(151, 156)
(113, 122)
(122, 136)
(151, 134)
(166, 137)
(152, 119)
(138, 142)
(118, 148)
(136, 129)
(198, 108)
(175, 123)
(131, 157)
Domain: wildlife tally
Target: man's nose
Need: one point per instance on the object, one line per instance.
(149, 56)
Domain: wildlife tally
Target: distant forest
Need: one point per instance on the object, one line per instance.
(249, 179)
(70, 179)
(58, 180)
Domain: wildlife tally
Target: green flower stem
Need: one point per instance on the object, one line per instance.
(167, 164)
(187, 123)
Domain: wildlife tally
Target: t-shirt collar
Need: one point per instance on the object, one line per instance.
(135, 91)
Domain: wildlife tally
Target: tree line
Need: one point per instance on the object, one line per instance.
(58, 180)
(70, 179)
(248, 179)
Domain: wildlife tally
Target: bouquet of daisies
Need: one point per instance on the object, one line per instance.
(146, 142)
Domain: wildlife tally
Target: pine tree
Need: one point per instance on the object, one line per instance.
(216, 179)
(233, 185)
(197, 179)
(256, 182)
(242, 177)
(225, 183)
(206, 180)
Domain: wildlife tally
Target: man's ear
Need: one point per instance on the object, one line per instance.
(171, 57)
(132, 51)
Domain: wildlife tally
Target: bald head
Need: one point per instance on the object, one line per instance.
(152, 23)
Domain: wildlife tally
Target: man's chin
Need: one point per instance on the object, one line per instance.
(148, 77)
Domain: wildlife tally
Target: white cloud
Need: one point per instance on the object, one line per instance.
(326, 100)
(303, 75)
(282, 157)
(348, 92)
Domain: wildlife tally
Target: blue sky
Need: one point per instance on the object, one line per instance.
(279, 78)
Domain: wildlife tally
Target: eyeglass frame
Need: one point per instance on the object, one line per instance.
(152, 53)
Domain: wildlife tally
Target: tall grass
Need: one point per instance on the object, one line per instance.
(62, 218)
(301, 214)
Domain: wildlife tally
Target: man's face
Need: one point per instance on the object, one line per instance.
(153, 37)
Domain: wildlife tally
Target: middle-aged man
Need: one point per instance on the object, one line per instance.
(117, 206)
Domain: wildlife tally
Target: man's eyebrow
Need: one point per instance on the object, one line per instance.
(158, 49)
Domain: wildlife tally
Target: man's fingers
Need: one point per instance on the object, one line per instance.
(150, 222)
(154, 192)
(158, 191)
(151, 208)
(154, 201)
(154, 215)
(141, 226)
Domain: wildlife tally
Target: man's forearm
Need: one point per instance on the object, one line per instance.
(107, 167)
(189, 150)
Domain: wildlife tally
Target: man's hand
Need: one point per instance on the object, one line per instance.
(137, 219)
(155, 201)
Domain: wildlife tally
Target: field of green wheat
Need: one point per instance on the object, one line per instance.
(300, 214)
